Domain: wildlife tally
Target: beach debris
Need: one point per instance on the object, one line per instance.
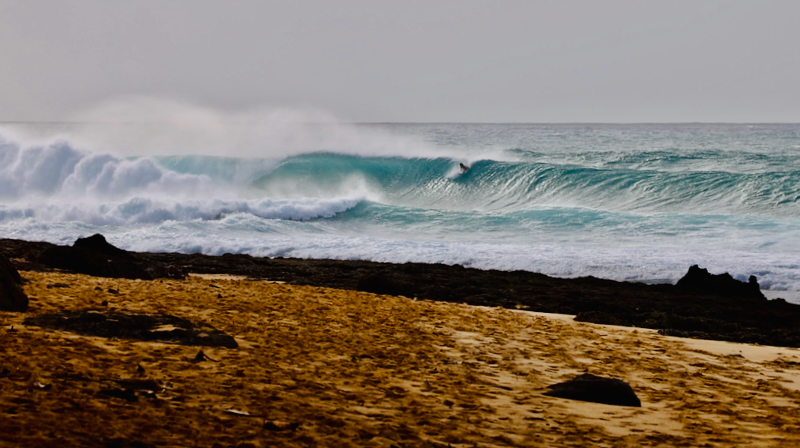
(12, 298)
(699, 280)
(139, 368)
(281, 426)
(113, 323)
(497, 386)
(57, 285)
(98, 288)
(41, 386)
(239, 413)
(124, 394)
(113, 291)
(140, 384)
(596, 389)
(201, 356)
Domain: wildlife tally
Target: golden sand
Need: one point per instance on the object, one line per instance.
(355, 369)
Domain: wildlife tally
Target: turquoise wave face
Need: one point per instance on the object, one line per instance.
(525, 185)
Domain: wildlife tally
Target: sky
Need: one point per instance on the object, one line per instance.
(409, 61)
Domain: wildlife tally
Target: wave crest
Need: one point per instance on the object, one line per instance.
(58, 170)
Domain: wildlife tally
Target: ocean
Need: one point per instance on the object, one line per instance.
(639, 202)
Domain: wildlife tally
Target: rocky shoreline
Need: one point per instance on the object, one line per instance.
(700, 306)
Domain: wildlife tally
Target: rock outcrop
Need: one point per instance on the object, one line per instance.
(94, 256)
(12, 298)
(700, 281)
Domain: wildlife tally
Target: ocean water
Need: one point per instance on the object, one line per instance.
(626, 202)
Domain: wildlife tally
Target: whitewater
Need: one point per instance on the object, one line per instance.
(626, 202)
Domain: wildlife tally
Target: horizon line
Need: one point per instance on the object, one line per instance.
(446, 122)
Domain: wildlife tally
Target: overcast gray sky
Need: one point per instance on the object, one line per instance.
(410, 61)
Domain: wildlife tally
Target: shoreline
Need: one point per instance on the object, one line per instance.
(735, 313)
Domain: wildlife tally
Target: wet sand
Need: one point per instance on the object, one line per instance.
(327, 367)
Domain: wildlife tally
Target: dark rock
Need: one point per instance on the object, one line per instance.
(130, 325)
(201, 356)
(94, 256)
(384, 283)
(701, 281)
(12, 298)
(272, 426)
(97, 243)
(601, 316)
(57, 285)
(9, 272)
(126, 394)
(596, 389)
(166, 271)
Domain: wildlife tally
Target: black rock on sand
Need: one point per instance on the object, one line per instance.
(596, 389)
(12, 298)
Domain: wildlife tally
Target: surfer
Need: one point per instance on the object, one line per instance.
(463, 167)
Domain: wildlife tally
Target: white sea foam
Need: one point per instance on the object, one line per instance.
(143, 211)
(60, 183)
(246, 233)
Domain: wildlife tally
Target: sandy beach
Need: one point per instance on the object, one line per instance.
(326, 367)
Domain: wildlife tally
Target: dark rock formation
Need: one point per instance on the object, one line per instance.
(12, 298)
(596, 389)
(94, 256)
(97, 243)
(699, 280)
(130, 325)
(90, 256)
